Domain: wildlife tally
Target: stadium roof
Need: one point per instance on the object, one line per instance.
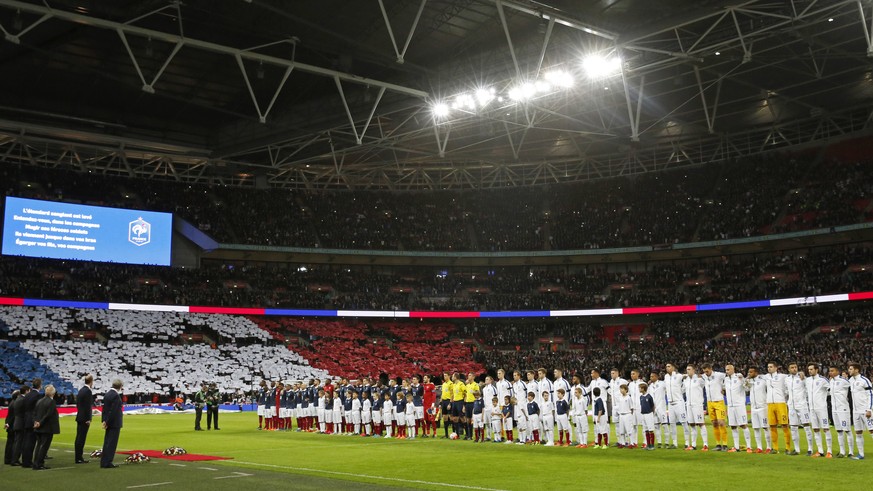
(425, 94)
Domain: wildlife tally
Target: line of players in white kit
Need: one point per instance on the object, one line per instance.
(791, 401)
(536, 406)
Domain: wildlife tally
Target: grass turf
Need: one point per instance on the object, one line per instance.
(291, 460)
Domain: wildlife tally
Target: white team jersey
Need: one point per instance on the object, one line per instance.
(578, 406)
(693, 390)
(674, 388)
(488, 393)
(544, 385)
(562, 383)
(714, 386)
(320, 403)
(614, 392)
(599, 383)
(337, 404)
(547, 410)
(504, 388)
(585, 394)
(366, 407)
(839, 390)
(817, 393)
(496, 416)
(862, 394)
(633, 390)
(777, 389)
(622, 404)
(797, 393)
(520, 390)
(658, 390)
(356, 405)
(532, 386)
(757, 392)
(735, 390)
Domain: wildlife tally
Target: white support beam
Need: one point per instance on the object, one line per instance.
(211, 47)
(548, 36)
(442, 142)
(709, 120)
(16, 38)
(502, 16)
(397, 51)
(543, 11)
(747, 50)
(868, 31)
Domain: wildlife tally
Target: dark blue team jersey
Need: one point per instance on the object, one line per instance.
(417, 392)
(507, 411)
(478, 406)
(533, 408)
(347, 404)
(599, 406)
(561, 407)
(647, 404)
(377, 404)
(400, 405)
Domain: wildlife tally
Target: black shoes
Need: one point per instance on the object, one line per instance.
(82, 461)
(41, 468)
(110, 466)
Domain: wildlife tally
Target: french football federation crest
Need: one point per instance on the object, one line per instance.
(139, 232)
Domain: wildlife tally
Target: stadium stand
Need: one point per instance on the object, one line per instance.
(769, 194)
(723, 278)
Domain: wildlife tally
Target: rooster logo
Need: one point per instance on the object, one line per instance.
(139, 232)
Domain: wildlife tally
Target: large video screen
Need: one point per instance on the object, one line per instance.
(50, 229)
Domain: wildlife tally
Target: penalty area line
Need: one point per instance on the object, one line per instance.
(366, 476)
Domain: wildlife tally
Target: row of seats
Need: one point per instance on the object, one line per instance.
(767, 194)
(711, 280)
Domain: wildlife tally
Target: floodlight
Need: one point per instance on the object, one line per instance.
(440, 110)
(559, 78)
(484, 96)
(597, 66)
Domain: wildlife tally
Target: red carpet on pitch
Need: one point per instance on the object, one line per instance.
(189, 457)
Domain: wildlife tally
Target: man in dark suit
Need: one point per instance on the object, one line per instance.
(29, 437)
(9, 426)
(18, 425)
(112, 423)
(45, 425)
(84, 409)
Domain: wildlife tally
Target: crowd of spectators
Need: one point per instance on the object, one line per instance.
(768, 194)
(826, 336)
(721, 279)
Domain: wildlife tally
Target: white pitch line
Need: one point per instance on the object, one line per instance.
(178, 465)
(57, 469)
(237, 474)
(367, 476)
(150, 485)
(208, 468)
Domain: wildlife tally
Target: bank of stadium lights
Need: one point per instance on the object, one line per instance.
(595, 67)
(488, 97)
(598, 66)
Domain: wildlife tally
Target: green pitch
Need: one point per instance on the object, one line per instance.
(291, 460)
